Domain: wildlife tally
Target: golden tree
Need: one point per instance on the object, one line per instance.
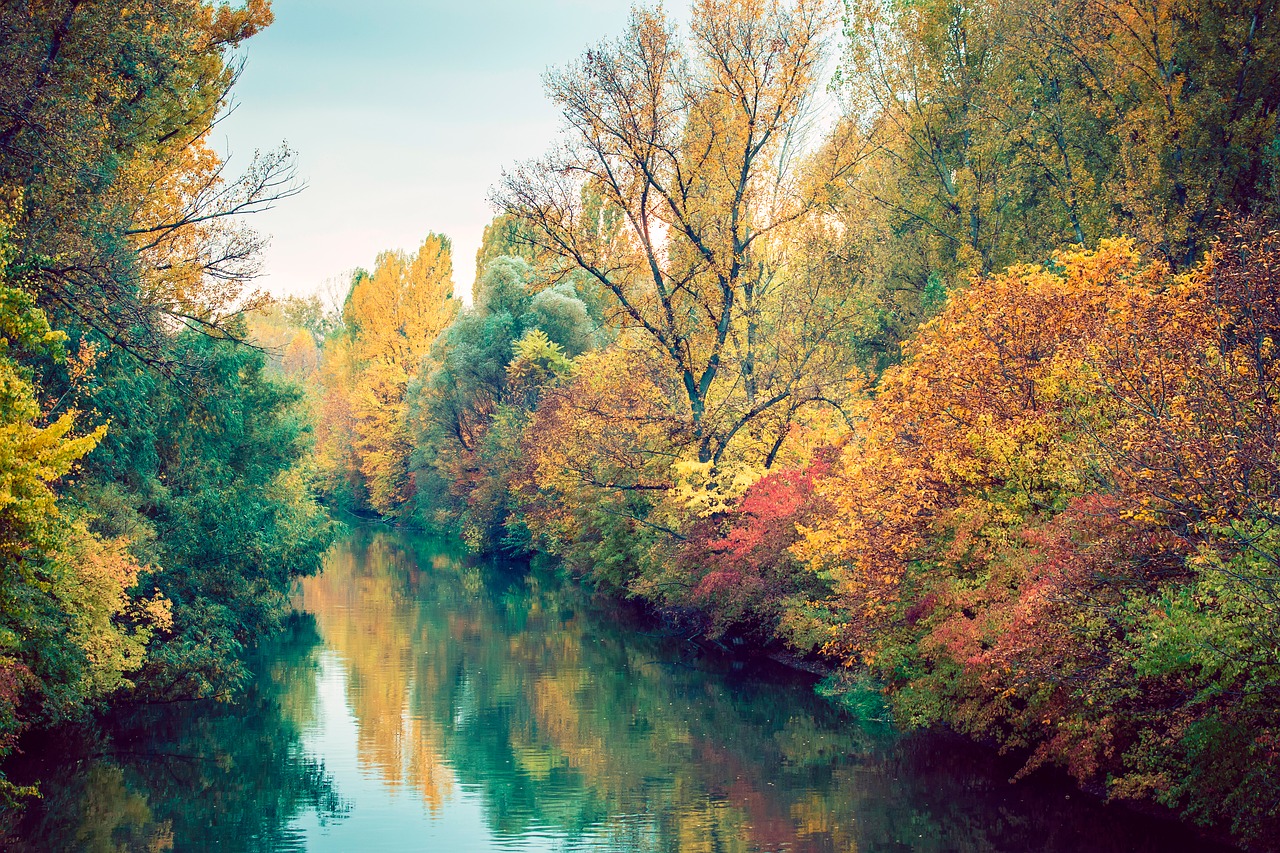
(683, 188)
(394, 316)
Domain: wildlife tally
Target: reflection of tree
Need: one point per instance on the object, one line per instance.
(106, 815)
(364, 613)
(202, 776)
(561, 718)
(564, 720)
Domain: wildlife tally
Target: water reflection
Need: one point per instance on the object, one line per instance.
(185, 776)
(475, 690)
(450, 706)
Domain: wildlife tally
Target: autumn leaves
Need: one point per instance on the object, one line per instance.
(1050, 524)
(1054, 528)
(972, 386)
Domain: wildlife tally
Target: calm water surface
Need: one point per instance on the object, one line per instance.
(425, 703)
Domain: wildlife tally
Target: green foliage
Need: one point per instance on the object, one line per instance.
(208, 465)
(562, 316)
(141, 553)
(70, 632)
(471, 410)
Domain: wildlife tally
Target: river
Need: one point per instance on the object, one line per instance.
(422, 701)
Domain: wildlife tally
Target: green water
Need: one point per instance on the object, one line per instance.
(424, 703)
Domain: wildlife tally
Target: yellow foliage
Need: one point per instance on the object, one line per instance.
(964, 441)
(395, 315)
(112, 627)
(87, 576)
(705, 489)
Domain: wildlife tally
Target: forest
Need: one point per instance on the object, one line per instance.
(932, 343)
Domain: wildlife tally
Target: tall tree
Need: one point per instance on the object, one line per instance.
(1004, 130)
(680, 188)
(394, 316)
(1196, 91)
(122, 262)
(127, 220)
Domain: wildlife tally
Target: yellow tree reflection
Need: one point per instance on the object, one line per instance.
(364, 614)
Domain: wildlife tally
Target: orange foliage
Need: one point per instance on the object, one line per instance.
(963, 441)
(1055, 525)
(1040, 384)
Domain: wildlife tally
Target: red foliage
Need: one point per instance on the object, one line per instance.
(1030, 649)
(748, 571)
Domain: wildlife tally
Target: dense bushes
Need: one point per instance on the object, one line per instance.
(1053, 528)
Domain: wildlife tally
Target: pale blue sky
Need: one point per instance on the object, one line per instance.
(403, 115)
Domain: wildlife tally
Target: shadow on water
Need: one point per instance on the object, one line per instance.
(450, 705)
(185, 776)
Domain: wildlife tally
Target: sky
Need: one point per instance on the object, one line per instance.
(403, 114)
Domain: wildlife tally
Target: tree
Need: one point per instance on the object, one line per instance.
(73, 628)
(1195, 86)
(120, 230)
(1004, 130)
(127, 220)
(487, 372)
(679, 190)
(394, 316)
